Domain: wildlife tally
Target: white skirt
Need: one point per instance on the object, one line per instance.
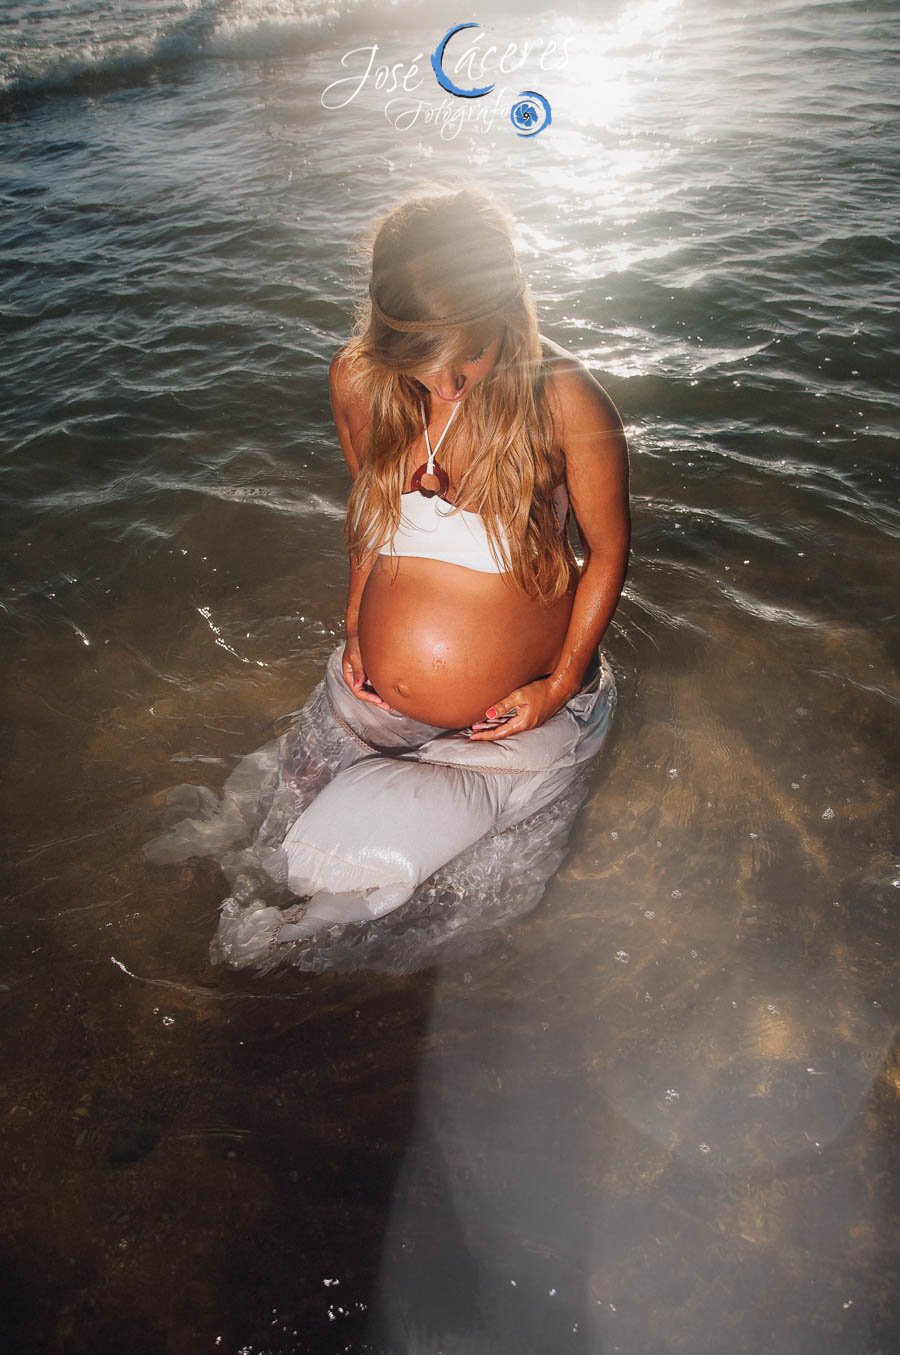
(357, 811)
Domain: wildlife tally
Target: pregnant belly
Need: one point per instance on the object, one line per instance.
(441, 643)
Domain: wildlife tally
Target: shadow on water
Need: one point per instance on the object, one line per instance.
(195, 1160)
(203, 1164)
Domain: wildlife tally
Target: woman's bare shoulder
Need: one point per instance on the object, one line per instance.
(575, 393)
(339, 384)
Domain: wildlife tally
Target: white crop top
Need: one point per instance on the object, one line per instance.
(432, 529)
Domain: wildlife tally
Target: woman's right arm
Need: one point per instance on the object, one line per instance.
(351, 661)
(350, 422)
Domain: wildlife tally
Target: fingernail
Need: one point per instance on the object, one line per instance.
(491, 714)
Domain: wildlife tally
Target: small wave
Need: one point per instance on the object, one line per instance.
(309, 506)
(743, 527)
(870, 688)
(782, 616)
(233, 30)
(663, 616)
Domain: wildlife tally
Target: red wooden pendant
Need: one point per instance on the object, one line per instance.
(439, 474)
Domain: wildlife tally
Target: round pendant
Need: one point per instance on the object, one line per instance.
(438, 474)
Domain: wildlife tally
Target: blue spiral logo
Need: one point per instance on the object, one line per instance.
(530, 113)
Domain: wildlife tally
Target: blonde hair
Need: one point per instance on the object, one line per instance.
(448, 254)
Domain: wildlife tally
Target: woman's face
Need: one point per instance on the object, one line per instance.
(451, 383)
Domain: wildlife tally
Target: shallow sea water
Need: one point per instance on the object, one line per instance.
(658, 1112)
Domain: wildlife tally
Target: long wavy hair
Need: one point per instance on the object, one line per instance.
(442, 254)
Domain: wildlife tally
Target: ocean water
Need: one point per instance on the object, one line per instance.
(657, 1112)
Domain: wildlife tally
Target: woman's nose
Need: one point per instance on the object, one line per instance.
(449, 382)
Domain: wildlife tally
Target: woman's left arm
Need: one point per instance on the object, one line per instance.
(596, 455)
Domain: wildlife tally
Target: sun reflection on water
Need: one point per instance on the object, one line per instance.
(608, 66)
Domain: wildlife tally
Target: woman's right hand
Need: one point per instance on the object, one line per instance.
(355, 675)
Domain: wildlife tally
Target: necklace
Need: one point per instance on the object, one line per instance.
(432, 468)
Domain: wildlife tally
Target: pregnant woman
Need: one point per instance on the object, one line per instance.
(469, 438)
(469, 693)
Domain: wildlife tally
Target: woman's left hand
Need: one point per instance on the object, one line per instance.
(531, 706)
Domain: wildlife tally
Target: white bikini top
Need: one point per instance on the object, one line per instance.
(432, 529)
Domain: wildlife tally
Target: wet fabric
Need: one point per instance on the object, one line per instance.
(358, 811)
